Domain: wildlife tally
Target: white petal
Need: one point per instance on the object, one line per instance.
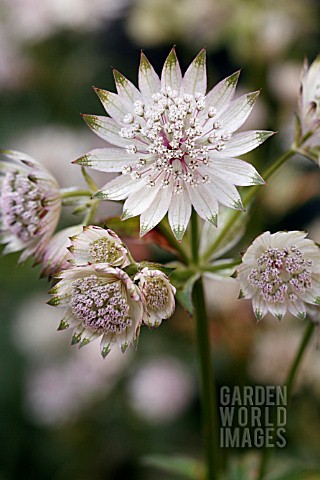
(108, 130)
(118, 188)
(278, 309)
(107, 159)
(298, 309)
(234, 171)
(259, 306)
(179, 213)
(238, 111)
(220, 96)
(243, 142)
(149, 81)
(195, 78)
(204, 202)
(171, 73)
(139, 200)
(125, 88)
(114, 105)
(156, 211)
(225, 193)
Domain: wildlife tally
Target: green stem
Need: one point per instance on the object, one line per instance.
(289, 383)
(246, 201)
(221, 266)
(208, 393)
(69, 192)
(89, 217)
(167, 232)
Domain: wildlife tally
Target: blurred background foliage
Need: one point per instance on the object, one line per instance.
(66, 413)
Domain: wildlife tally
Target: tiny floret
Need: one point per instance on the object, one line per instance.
(280, 272)
(174, 144)
(100, 301)
(157, 295)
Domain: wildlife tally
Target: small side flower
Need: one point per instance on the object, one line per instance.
(30, 204)
(98, 245)
(157, 295)
(280, 272)
(100, 301)
(309, 110)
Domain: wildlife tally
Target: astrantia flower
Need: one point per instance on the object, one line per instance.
(174, 144)
(56, 255)
(100, 301)
(280, 272)
(157, 295)
(97, 245)
(309, 108)
(30, 204)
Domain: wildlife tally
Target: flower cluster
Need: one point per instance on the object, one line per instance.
(280, 272)
(175, 145)
(100, 297)
(30, 205)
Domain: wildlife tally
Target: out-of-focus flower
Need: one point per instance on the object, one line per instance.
(100, 301)
(30, 205)
(158, 296)
(98, 245)
(309, 108)
(259, 31)
(56, 255)
(280, 272)
(161, 390)
(35, 21)
(177, 144)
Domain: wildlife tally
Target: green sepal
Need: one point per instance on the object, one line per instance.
(75, 338)
(184, 294)
(63, 325)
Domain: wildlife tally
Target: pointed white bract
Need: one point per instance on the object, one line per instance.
(280, 272)
(157, 295)
(309, 108)
(98, 245)
(56, 254)
(30, 205)
(99, 301)
(176, 144)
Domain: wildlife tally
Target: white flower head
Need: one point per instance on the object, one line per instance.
(56, 255)
(157, 295)
(174, 144)
(30, 204)
(100, 301)
(309, 99)
(98, 245)
(280, 272)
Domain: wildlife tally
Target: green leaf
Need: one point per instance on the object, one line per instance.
(183, 466)
(131, 269)
(184, 295)
(298, 473)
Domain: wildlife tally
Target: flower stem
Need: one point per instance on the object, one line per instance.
(289, 383)
(89, 216)
(73, 192)
(167, 232)
(208, 393)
